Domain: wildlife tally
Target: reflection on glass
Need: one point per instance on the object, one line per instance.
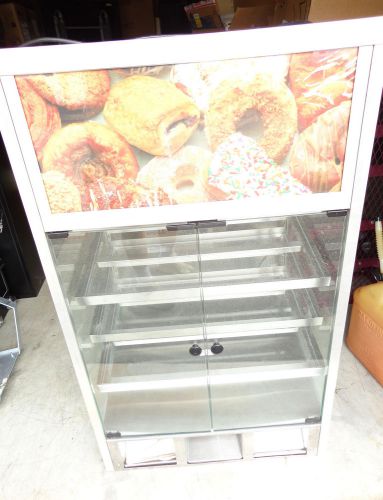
(207, 328)
(191, 133)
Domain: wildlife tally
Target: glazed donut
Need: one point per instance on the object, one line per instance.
(63, 195)
(109, 193)
(321, 80)
(87, 151)
(42, 118)
(317, 155)
(272, 101)
(82, 93)
(152, 114)
(182, 176)
(240, 169)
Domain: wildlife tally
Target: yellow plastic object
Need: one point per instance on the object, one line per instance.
(365, 334)
(379, 242)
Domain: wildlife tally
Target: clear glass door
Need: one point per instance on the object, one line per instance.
(269, 289)
(134, 297)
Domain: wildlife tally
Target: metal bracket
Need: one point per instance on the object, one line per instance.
(55, 235)
(337, 213)
(312, 420)
(197, 224)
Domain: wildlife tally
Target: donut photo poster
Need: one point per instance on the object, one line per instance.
(191, 133)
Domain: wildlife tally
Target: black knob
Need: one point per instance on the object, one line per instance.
(216, 348)
(195, 350)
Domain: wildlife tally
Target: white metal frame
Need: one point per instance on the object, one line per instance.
(169, 50)
(261, 207)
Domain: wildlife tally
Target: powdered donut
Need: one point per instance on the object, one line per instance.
(87, 151)
(63, 195)
(83, 92)
(182, 176)
(240, 169)
(272, 101)
(42, 118)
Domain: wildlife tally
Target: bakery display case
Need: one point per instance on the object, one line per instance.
(197, 215)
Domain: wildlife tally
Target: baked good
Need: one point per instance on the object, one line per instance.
(109, 193)
(139, 70)
(241, 169)
(151, 114)
(87, 151)
(317, 155)
(182, 176)
(235, 102)
(81, 94)
(198, 80)
(42, 118)
(63, 195)
(321, 80)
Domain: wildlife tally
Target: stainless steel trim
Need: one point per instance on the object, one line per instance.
(238, 376)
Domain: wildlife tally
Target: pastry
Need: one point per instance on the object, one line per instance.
(80, 94)
(109, 193)
(240, 169)
(63, 195)
(235, 103)
(317, 155)
(321, 80)
(87, 151)
(182, 176)
(151, 114)
(42, 118)
(198, 80)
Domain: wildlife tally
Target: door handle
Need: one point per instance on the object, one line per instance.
(195, 350)
(216, 348)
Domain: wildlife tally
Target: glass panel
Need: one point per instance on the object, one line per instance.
(191, 133)
(134, 299)
(269, 289)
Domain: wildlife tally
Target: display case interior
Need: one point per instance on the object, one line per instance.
(194, 328)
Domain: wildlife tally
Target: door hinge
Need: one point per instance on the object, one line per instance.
(113, 434)
(196, 224)
(56, 235)
(337, 213)
(312, 420)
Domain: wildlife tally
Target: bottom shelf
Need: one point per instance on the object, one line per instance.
(249, 405)
(214, 447)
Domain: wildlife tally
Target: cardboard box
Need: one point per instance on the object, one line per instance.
(328, 10)
(225, 7)
(204, 17)
(253, 17)
(137, 18)
(18, 24)
(291, 11)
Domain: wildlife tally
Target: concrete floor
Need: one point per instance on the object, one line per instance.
(48, 451)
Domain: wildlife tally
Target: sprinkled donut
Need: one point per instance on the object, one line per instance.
(87, 151)
(233, 101)
(240, 169)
